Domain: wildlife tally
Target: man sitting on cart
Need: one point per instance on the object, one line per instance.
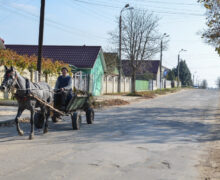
(63, 90)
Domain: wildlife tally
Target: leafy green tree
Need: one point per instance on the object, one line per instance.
(212, 33)
(172, 75)
(184, 74)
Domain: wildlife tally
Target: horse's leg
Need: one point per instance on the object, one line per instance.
(20, 132)
(46, 122)
(31, 136)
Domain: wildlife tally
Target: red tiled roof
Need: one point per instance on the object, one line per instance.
(79, 56)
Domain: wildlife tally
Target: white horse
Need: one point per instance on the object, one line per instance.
(12, 79)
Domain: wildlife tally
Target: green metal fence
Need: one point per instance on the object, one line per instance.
(142, 85)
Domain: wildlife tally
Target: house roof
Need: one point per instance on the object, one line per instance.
(111, 60)
(146, 66)
(78, 56)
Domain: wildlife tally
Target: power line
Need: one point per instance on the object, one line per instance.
(96, 4)
(160, 12)
(4, 18)
(173, 3)
(53, 23)
(92, 11)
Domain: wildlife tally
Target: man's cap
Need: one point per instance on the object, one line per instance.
(64, 68)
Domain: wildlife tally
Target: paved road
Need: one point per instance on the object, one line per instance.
(158, 139)
(9, 113)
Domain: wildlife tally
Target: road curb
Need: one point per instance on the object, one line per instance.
(8, 103)
(7, 123)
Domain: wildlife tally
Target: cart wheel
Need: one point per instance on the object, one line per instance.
(38, 120)
(76, 121)
(90, 116)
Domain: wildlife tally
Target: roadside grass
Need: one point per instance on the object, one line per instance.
(152, 94)
(143, 94)
(110, 102)
(7, 99)
(120, 94)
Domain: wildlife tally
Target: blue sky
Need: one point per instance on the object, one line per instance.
(79, 22)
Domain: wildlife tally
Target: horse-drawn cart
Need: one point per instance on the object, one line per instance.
(75, 107)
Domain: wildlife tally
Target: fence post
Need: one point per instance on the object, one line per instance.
(106, 84)
(124, 83)
(74, 81)
(152, 85)
(36, 76)
(113, 85)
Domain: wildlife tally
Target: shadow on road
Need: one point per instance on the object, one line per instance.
(156, 125)
(137, 125)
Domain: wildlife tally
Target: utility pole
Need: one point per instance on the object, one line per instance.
(119, 62)
(178, 67)
(120, 32)
(161, 56)
(40, 40)
(178, 71)
(193, 80)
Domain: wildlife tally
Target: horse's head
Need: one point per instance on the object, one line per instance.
(9, 79)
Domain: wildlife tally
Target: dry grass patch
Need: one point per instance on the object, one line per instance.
(152, 94)
(111, 102)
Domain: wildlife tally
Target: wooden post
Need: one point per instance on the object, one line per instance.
(106, 85)
(36, 76)
(113, 85)
(40, 40)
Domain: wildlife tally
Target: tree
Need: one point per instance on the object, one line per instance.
(21, 62)
(212, 33)
(140, 39)
(184, 73)
(204, 84)
(172, 75)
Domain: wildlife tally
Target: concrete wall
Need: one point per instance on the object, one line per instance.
(167, 84)
(110, 84)
(152, 85)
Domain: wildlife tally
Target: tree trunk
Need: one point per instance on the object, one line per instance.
(133, 77)
(46, 78)
(31, 74)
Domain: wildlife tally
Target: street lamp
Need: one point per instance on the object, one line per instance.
(178, 75)
(126, 7)
(161, 57)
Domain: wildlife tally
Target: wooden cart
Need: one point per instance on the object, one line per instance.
(75, 107)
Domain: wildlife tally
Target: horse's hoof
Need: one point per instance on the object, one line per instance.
(21, 133)
(31, 137)
(45, 131)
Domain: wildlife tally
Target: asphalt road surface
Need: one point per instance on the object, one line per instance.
(158, 139)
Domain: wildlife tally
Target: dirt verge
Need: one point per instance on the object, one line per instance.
(111, 102)
(209, 167)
